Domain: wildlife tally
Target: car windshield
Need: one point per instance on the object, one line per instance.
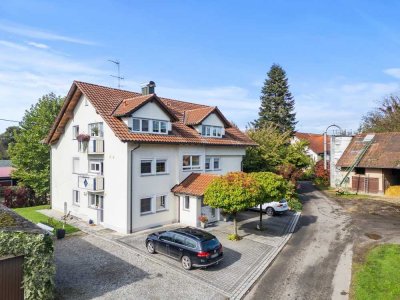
(283, 201)
(209, 244)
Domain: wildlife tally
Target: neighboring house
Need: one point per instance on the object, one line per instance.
(141, 146)
(5, 173)
(315, 149)
(376, 162)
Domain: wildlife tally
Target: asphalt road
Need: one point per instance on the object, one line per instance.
(313, 264)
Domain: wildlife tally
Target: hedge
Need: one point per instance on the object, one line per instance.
(38, 266)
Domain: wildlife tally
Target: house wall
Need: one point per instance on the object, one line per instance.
(338, 146)
(213, 120)
(189, 217)
(369, 173)
(63, 181)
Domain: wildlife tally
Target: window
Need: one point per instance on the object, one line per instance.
(160, 203)
(212, 163)
(179, 239)
(75, 197)
(212, 131)
(96, 166)
(359, 171)
(75, 165)
(96, 201)
(145, 205)
(191, 162)
(147, 125)
(167, 236)
(190, 243)
(75, 131)
(96, 129)
(153, 166)
(145, 166)
(186, 202)
(161, 166)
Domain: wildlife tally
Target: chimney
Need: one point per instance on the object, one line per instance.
(148, 88)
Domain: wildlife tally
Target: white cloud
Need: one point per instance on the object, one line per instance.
(394, 72)
(40, 34)
(38, 45)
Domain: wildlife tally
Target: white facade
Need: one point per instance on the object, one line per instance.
(314, 156)
(338, 146)
(107, 184)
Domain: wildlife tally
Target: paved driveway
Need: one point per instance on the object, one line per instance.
(243, 261)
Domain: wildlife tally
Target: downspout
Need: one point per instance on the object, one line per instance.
(130, 190)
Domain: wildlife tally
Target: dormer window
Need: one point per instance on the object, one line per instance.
(211, 131)
(147, 125)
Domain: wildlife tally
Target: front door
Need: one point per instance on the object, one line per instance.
(211, 213)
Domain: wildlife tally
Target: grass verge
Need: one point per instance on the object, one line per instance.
(378, 276)
(32, 214)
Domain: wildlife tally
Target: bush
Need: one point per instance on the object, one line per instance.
(38, 265)
(393, 190)
(295, 204)
(322, 176)
(19, 196)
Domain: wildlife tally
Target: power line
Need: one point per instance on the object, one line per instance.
(7, 120)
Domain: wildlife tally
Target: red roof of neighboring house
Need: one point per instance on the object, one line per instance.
(109, 103)
(384, 152)
(5, 172)
(195, 184)
(316, 141)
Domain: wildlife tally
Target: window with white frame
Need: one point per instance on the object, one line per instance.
(75, 165)
(211, 131)
(96, 129)
(147, 125)
(75, 131)
(96, 200)
(145, 205)
(212, 163)
(75, 198)
(153, 166)
(186, 202)
(191, 162)
(161, 203)
(96, 166)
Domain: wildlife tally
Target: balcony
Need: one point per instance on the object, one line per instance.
(96, 146)
(91, 183)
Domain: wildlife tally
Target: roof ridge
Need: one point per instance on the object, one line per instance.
(209, 107)
(107, 87)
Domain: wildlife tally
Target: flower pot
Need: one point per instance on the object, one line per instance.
(60, 233)
(203, 225)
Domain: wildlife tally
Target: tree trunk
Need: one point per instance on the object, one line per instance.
(261, 213)
(235, 224)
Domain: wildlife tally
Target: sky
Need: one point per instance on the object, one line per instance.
(341, 57)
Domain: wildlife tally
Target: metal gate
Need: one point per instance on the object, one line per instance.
(11, 275)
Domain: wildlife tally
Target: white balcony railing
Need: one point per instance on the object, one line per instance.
(96, 147)
(91, 183)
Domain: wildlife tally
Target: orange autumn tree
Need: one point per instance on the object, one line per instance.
(233, 192)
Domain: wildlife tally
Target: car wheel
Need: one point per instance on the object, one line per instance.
(150, 247)
(186, 262)
(270, 211)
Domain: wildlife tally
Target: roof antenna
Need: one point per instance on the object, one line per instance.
(119, 75)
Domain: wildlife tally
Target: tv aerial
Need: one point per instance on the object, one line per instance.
(117, 63)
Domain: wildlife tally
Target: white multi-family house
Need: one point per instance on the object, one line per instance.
(131, 161)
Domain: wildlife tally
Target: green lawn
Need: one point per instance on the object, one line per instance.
(32, 215)
(378, 277)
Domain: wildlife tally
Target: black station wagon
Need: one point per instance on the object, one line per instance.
(191, 246)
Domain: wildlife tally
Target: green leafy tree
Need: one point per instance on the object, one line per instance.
(385, 118)
(233, 192)
(7, 138)
(277, 103)
(29, 154)
(273, 188)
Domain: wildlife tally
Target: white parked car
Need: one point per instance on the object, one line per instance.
(274, 207)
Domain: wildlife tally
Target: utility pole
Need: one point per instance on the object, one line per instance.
(117, 63)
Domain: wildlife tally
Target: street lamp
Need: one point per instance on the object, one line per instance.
(326, 130)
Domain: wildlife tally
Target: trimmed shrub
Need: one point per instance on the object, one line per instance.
(393, 191)
(321, 175)
(39, 269)
(20, 196)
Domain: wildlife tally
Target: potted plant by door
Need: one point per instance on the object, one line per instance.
(203, 221)
(225, 216)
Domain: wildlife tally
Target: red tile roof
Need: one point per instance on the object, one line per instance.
(195, 184)
(108, 101)
(383, 153)
(316, 141)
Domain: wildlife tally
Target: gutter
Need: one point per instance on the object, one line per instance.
(130, 189)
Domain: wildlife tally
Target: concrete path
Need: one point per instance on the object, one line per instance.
(316, 262)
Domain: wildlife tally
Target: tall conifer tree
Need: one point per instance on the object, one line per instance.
(277, 103)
